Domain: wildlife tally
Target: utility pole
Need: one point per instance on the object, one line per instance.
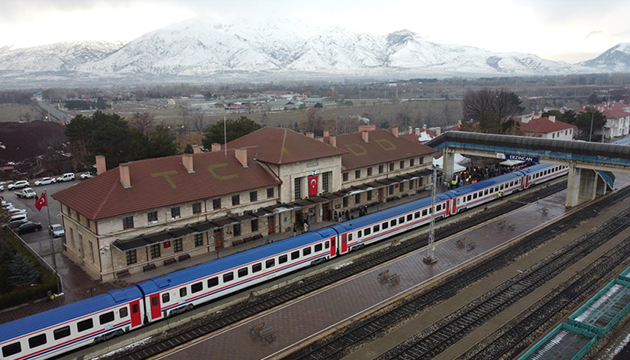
(430, 259)
(591, 132)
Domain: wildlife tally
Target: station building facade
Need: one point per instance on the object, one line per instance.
(155, 212)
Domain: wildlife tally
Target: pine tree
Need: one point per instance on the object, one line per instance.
(23, 271)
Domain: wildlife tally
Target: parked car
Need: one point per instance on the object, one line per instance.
(1, 187)
(86, 175)
(16, 224)
(19, 185)
(66, 177)
(28, 227)
(45, 181)
(28, 193)
(56, 230)
(14, 211)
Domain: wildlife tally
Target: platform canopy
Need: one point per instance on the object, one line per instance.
(511, 162)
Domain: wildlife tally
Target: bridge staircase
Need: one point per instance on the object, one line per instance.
(608, 177)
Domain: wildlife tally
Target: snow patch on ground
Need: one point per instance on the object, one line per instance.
(124, 348)
(343, 265)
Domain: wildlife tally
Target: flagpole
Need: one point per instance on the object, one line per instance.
(225, 137)
(52, 243)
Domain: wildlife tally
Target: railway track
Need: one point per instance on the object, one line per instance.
(195, 329)
(341, 343)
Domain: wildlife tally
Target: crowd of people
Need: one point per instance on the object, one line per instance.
(476, 174)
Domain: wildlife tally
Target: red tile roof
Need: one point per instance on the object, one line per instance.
(544, 126)
(163, 182)
(382, 147)
(284, 146)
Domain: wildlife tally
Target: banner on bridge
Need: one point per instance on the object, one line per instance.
(517, 157)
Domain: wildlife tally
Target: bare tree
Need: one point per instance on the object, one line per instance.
(312, 122)
(197, 122)
(143, 122)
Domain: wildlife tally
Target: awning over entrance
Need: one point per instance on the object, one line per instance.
(173, 234)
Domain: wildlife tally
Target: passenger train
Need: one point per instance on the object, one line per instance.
(66, 328)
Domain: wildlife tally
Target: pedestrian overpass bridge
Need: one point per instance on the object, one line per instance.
(590, 164)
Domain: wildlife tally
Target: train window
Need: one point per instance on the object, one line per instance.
(318, 247)
(11, 349)
(295, 255)
(485, 192)
(282, 259)
(154, 301)
(393, 222)
(106, 318)
(468, 197)
(367, 231)
(134, 308)
(474, 196)
(326, 245)
(212, 282)
(496, 188)
(256, 267)
(409, 217)
(359, 234)
(228, 277)
(85, 325)
(196, 287)
(376, 228)
(385, 225)
(242, 272)
(501, 187)
(425, 212)
(61, 332)
(430, 210)
(307, 251)
(270, 263)
(349, 237)
(36, 341)
(182, 292)
(417, 214)
(401, 219)
(491, 190)
(166, 297)
(458, 201)
(123, 313)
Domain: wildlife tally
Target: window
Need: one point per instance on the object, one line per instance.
(152, 217)
(254, 225)
(307, 251)
(424, 212)
(36, 341)
(345, 202)
(369, 195)
(485, 192)
(326, 182)
(295, 255)
(236, 200)
(270, 193)
(402, 164)
(175, 213)
(357, 198)
(242, 272)
(11, 349)
(155, 251)
(131, 257)
(253, 196)
(327, 245)
(474, 196)
(270, 263)
(411, 184)
(106, 318)
(421, 160)
(63, 332)
(85, 325)
(391, 166)
(212, 282)
(166, 297)
(135, 308)
(182, 292)
(385, 225)
(391, 189)
(128, 222)
(409, 217)
(357, 174)
(468, 198)
(411, 161)
(123, 313)
(198, 240)
(401, 219)
(228, 277)
(216, 204)
(256, 267)
(367, 231)
(359, 234)
(196, 287)
(416, 215)
(297, 188)
(402, 187)
(282, 259)
(369, 171)
(380, 169)
(196, 208)
(345, 176)
(154, 301)
(318, 247)
(237, 229)
(392, 223)
(177, 245)
(376, 228)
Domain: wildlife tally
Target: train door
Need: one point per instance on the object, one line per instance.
(447, 204)
(526, 182)
(136, 318)
(454, 204)
(333, 247)
(156, 310)
(344, 243)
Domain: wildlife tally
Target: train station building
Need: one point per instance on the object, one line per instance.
(155, 212)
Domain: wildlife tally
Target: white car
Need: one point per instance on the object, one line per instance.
(16, 211)
(19, 184)
(56, 230)
(26, 193)
(86, 175)
(45, 181)
(66, 177)
(1, 187)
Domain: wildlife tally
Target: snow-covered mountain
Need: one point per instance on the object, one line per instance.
(615, 59)
(278, 49)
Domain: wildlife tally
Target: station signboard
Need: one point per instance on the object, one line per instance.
(517, 157)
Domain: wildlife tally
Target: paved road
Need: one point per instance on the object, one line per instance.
(54, 112)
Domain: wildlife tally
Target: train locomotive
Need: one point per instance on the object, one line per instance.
(63, 329)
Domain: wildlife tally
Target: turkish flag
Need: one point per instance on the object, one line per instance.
(312, 185)
(41, 202)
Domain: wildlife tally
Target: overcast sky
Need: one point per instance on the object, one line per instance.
(569, 30)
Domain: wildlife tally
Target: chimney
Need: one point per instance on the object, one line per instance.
(424, 126)
(365, 136)
(552, 118)
(395, 131)
(101, 166)
(326, 133)
(241, 156)
(417, 131)
(310, 134)
(125, 176)
(216, 147)
(187, 161)
(321, 139)
(333, 141)
(196, 149)
(438, 131)
(363, 128)
(410, 130)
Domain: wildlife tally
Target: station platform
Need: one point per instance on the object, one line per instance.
(318, 314)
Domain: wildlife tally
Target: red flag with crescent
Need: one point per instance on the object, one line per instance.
(41, 202)
(312, 185)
